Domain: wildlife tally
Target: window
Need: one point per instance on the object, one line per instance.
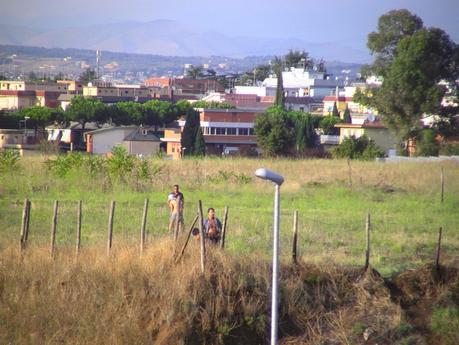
(126, 91)
(231, 131)
(220, 131)
(173, 149)
(251, 131)
(302, 109)
(243, 131)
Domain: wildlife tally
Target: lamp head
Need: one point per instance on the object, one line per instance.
(266, 174)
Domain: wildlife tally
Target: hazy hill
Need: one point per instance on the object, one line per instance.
(167, 37)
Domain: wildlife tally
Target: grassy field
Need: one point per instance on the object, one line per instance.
(332, 198)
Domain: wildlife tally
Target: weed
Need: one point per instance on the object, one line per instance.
(445, 323)
(9, 161)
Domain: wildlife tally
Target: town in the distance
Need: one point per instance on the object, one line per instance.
(290, 105)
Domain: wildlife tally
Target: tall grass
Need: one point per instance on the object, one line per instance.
(403, 199)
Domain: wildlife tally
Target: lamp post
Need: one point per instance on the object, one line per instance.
(25, 129)
(277, 179)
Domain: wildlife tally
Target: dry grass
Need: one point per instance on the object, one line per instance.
(127, 299)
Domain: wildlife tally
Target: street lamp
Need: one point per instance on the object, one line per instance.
(277, 179)
(25, 128)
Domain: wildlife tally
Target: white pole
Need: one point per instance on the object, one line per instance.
(275, 283)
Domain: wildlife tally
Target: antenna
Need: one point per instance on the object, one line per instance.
(98, 55)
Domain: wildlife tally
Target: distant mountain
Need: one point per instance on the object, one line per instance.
(167, 37)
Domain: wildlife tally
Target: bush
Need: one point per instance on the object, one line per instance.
(427, 145)
(357, 148)
(9, 160)
(449, 150)
(445, 323)
(120, 162)
(328, 123)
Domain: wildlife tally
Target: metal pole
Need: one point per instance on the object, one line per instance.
(275, 283)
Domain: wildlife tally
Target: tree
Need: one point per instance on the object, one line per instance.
(192, 141)
(88, 76)
(195, 72)
(305, 133)
(85, 110)
(392, 27)
(274, 131)
(280, 97)
(347, 115)
(327, 123)
(296, 58)
(38, 117)
(357, 148)
(412, 60)
(335, 111)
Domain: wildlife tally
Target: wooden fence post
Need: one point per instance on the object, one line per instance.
(225, 220)
(78, 230)
(202, 240)
(29, 208)
(367, 248)
(437, 261)
(142, 228)
(187, 239)
(350, 172)
(54, 227)
(25, 212)
(295, 237)
(110, 227)
(442, 183)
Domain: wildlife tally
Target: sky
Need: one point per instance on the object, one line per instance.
(348, 21)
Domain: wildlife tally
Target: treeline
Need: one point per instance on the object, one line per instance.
(153, 113)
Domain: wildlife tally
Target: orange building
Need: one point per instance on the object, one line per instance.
(226, 131)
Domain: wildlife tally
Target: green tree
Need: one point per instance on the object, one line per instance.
(357, 148)
(296, 58)
(274, 131)
(335, 111)
(305, 133)
(195, 72)
(347, 115)
(85, 110)
(37, 117)
(412, 60)
(392, 27)
(88, 76)
(426, 143)
(212, 105)
(280, 96)
(327, 123)
(192, 138)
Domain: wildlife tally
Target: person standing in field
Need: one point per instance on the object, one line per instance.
(212, 227)
(176, 202)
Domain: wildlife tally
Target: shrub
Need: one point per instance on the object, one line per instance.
(120, 162)
(427, 145)
(445, 323)
(357, 148)
(64, 163)
(450, 150)
(328, 123)
(9, 160)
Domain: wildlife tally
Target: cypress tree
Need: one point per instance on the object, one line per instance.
(347, 115)
(199, 143)
(189, 131)
(335, 110)
(280, 98)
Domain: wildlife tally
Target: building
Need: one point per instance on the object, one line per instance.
(374, 130)
(225, 131)
(185, 87)
(16, 95)
(136, 140)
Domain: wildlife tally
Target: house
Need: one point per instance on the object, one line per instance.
(374, 130)
(225, 131)
(185, 88)
(22, 94)
(142, 141)
(136, 140)
(18, 139)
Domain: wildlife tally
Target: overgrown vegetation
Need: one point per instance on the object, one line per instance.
(357, 148)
